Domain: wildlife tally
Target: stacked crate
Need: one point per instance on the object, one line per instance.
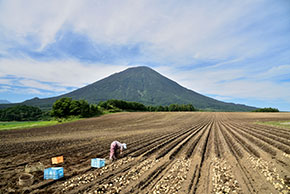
(54, 172)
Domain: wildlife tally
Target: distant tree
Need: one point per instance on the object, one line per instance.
(182, 107)
(166, 108)
(151, 108)
(122, 105)
(266, 110)
(160, 108)
(62, 108)
(21, 113)
(103, 104)
(66, 107)
(75, 107)
(94, 110)
(85, 109)
(137, 106)
(190, 107)
(173, 107)
(114, 105)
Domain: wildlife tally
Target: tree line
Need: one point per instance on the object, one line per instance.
(67, 107)
(21, 113)
(172, 108)
(121, 105)
(266, 110)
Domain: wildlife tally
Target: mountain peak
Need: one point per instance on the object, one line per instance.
(139, 69)
(145, 85)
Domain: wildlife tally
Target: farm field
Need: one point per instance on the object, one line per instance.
(175, 152)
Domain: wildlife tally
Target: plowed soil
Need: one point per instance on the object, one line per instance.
(167, 153)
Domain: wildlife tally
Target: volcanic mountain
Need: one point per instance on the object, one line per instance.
(144, 85)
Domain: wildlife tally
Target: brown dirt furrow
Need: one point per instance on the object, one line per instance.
(159, 143)
(218, 146)
(234, 147)
(193, 144)
(268, 133)
(173, 152)
(267, 140)
(223, 180)
(181, 141)
(242, 142)
(197, 160)
(157, 177)
(245, 181)
(281, 132)
(89, 180)
(270, 173)
(258, 142)
(150, 178)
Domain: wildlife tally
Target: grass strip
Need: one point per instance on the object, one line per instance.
(284, 124)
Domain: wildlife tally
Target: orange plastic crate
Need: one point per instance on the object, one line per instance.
(57, 160)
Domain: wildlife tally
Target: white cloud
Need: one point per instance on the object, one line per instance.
(40, 19)
(276, 71)
(26, 91)
(4, 89)
(179, 33)
(196, 29)
(28, 83)
(29, 91)
(230, 83)
(6, 81)
(39, 85)
(59, 74)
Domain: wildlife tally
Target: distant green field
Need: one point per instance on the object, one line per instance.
(30, 124)
(277, 123)
(25, 124)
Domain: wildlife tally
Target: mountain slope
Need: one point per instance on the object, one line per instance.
(144, 85)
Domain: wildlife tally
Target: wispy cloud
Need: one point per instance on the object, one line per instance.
(214, 29)
(39, 85)
(67, 73)
(231, 50)
(235, 83)
(4, 88)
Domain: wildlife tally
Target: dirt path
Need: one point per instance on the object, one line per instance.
(167, 153)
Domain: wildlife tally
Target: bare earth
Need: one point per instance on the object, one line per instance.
(167, 153)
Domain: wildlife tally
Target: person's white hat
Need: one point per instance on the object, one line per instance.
(124, 146)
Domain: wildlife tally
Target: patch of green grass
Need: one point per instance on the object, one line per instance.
(284, 124)
(25, 124)
(31, 124)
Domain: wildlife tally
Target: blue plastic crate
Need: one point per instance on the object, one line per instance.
(97, 162)
(53, 173)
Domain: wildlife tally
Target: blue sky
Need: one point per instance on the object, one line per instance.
(234, 51)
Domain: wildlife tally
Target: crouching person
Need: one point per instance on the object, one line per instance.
(116, 149)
